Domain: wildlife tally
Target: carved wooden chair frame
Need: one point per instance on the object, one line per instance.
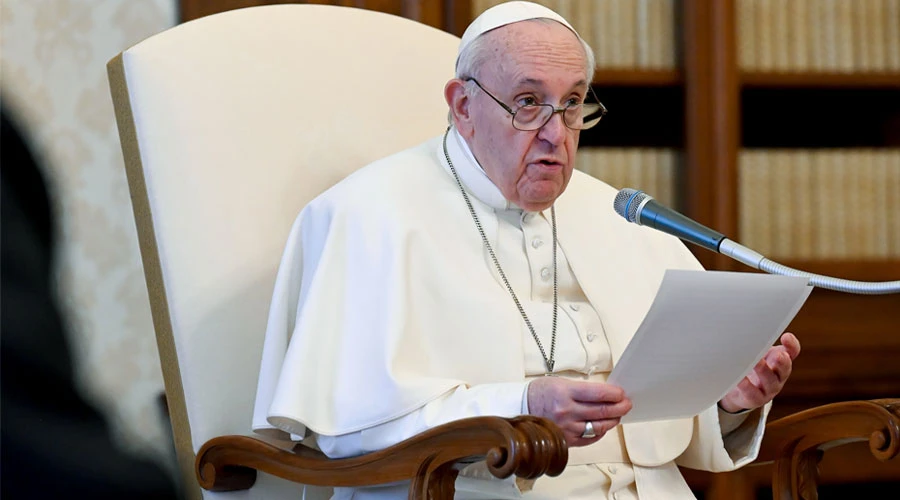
(530, 447)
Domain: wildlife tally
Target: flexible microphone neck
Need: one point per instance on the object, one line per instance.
(641, 209)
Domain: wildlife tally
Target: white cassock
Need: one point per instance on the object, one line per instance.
(389, 317)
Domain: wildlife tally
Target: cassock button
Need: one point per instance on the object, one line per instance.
(574, 307)
(545, 273)
(613, 469)
(591, 336)
(537, 242)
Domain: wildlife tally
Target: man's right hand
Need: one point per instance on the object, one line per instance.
(573, 403)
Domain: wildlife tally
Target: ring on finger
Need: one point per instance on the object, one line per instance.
(588, 430)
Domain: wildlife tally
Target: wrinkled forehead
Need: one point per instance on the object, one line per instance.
(537, 50)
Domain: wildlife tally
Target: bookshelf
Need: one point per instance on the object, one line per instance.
(850, 343)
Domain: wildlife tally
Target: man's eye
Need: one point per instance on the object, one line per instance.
(573, 101)
(527, 101)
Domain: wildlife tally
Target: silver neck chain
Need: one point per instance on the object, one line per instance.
(547, 361)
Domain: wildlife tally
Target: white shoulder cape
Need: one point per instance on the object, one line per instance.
(386, 299)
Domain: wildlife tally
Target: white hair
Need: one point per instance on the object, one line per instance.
(478, 53)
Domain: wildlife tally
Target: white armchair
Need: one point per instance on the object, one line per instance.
(229, 125)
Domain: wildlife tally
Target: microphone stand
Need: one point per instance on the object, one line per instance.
(755, 260)
(640, 208)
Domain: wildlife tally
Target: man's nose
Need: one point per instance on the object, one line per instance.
(554, 131)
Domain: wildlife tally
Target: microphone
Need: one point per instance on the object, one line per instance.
(640, 208)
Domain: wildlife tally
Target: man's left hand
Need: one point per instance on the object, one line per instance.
(767, 378)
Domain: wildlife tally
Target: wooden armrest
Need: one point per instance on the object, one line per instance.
(525, 446)
(796, 442)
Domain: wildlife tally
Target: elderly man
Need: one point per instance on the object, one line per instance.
(447, 280)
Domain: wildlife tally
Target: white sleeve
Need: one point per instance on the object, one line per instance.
(730, 421)
(501, 400)
(712, 449)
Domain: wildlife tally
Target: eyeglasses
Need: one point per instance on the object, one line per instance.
(576, 116)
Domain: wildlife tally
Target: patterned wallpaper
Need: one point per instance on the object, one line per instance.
(53, 55)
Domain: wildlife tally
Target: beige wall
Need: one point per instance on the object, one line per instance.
(53, 71)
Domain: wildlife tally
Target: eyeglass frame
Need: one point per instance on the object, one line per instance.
(556, 109)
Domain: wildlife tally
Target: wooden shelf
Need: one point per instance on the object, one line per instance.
(637, 78)
(880, 80)
(672, 78)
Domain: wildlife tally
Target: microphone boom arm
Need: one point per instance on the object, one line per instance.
(755, 260)
(639, 208)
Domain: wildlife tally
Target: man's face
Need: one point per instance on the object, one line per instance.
(533, 63)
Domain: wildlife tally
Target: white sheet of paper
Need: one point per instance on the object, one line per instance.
(703, 333)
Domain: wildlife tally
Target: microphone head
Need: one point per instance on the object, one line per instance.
(627, 203)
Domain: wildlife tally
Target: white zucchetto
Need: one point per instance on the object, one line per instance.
(507, 13)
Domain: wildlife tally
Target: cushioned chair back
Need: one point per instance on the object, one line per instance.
(230, 124)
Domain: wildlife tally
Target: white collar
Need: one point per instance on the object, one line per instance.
(471, 174)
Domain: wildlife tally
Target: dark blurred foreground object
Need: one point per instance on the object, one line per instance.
(54, 444)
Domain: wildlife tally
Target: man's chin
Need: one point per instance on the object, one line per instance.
(538, 204)
(541, 197)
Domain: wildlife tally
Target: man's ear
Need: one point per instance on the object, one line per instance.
(458, 101)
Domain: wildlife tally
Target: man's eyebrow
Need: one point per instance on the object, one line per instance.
(530, 82)
(534, 82)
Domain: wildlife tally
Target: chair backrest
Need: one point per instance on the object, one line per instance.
(230, 124)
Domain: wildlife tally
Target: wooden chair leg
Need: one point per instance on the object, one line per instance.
(797, 476)
(434, 481)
